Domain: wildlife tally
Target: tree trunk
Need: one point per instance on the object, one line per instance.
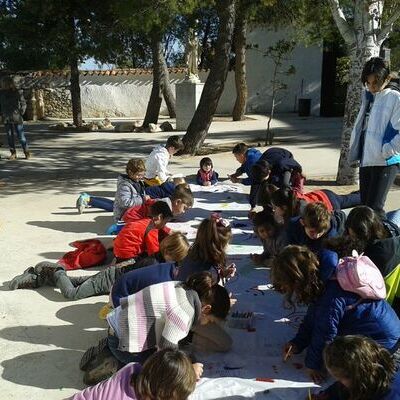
(239, 41)
(214, 85)
(75, 93)
(154, 104)
(168, 93)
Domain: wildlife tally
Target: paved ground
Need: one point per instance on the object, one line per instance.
(42, 336)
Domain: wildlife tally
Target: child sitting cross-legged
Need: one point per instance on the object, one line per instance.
(206, 176)
(157, 161)
(146, 321)
(166, 375)
(173, 248)
(331, 312)
(272, 235)
(363, 370)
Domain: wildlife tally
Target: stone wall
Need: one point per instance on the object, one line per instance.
(57, 103)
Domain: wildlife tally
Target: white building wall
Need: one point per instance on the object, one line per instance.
(127, 96)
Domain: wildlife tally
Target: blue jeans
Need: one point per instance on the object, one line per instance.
(11, 129)
(342, 201)
(102, 203)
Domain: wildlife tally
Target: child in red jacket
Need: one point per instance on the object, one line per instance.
(145, 235)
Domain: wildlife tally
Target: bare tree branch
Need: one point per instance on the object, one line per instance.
(387, 27)
(345, 29)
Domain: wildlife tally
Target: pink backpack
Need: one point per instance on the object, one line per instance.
(358, 274)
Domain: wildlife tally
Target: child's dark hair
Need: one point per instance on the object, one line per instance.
(316, 216)
(343, 245)
(182, 192)
(260, 170)
(161, 208)
(175, 141)
(211, 240)
(167, 374)
(210, 292)
(134, 166)
(365, 224)
(376, 66)
(240, 148)
(295, 273)
(206, 161)
(287, 200)
(264, 219)
(264, 195)
(369, 367)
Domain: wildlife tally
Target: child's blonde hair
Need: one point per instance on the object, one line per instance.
(166, 375)
(175, 245)
(134, 166)
(179, 180)
(369, 367)
(182, 192)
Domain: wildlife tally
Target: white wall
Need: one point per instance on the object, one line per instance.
(127, 96)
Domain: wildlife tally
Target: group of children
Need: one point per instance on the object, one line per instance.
(167, 295)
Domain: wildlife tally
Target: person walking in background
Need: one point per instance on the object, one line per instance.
(12, 108)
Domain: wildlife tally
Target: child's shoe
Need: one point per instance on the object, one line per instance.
(82, 202)
(102, 367)
(45, 272)
(27, 280)
(13, 155)
(114, 229)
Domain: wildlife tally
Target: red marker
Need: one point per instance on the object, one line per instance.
(265, 380)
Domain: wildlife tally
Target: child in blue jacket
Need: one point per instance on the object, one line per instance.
(331, 312)
(363, 371)
(247, 157)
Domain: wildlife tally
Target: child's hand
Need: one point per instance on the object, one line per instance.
(232, 300)
(198, 370)
(207, 183)
(146, 197)
(230, 271)
(251, 214)
(317, 376)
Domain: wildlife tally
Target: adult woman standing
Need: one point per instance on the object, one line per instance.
(375, 140)
(12, 108)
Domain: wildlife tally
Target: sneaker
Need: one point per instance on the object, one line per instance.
(102, 367)
(91, 353)
(27, 280)
(13, 155)
(82, 202)
(45, 272)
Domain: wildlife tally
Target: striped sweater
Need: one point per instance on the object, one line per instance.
(158, 316)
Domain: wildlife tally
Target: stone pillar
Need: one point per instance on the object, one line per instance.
(39, 103)
(188, 95)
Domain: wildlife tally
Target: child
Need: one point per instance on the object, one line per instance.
(166, 189)
(247, 157)
(147, 320)
(314, 226)
(331, 312)
(278, 167)
(143, 236)
(130, 192)
(180, 201)
(368, 234)
(363, 370)
(272, 235)
(173, 248)
(208, 250)
(206, 176)
(157, 162)
(166, 375)
(291, 203)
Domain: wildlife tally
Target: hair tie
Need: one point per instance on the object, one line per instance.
(219, 220)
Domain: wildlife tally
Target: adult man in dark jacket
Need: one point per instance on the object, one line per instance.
(12, 108)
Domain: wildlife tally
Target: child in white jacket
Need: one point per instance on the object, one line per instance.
(157, 162)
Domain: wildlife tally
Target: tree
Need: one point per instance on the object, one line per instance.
(278, 53)
(214, 85)
(364, 25)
